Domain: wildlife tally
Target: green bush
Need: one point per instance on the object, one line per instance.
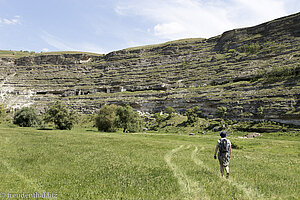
(260, 111)
(106, 118)
(127, 119)
(159, 118)
(232, 51)
(60, 115)
(1, 112)
(193, 114)
(26, 117)
(111, 117)
(221, 111)
(251, 48)
(236, 146)
(278, 73)
(170, 111)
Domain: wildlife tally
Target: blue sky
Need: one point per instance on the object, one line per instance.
(103, 26)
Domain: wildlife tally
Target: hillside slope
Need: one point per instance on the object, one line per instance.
(254, 72)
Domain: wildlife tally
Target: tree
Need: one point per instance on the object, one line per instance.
(159, 118)
(127, 119)
(260, 111)
(106, 118)
(170, 111)
(1, 110)
(193, 114)
(111, 117)
(59, 114)
(26, 117)
(251, 48)
(221, 111)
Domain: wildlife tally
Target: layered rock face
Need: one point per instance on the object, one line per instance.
(253, 72)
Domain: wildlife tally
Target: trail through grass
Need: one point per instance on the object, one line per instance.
(249, 192)
(189, 187)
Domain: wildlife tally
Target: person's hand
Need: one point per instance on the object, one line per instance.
(215, 157)
(229, 157)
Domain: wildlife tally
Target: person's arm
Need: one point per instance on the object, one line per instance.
(217, 147)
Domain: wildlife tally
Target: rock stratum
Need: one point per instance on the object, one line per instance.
(253, 72)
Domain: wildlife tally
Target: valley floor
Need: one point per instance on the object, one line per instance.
(86, 164)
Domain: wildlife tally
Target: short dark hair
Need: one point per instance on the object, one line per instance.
(223, 134)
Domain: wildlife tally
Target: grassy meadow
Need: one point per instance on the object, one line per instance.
(86, 164)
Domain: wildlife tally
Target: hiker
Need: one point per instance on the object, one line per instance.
(224, 147)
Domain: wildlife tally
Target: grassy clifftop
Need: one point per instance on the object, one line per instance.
(253, 72)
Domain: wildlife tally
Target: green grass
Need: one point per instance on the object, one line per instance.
(68, 52)
(86, 164)
(180, 41)
(15, 54)
(18, 54)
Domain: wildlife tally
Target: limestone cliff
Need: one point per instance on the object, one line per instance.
(254, 72)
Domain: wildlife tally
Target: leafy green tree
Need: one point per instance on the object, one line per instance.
(193, 114)
(260, 111)
(127, 119)
(106, 118)
(158, 119)
(59, 114)
(1, 110)
(111, 117)
(221, 111)
(170, 111)
(26, 117)
(251, 48)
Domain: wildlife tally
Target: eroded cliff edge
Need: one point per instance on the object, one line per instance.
(253, 72)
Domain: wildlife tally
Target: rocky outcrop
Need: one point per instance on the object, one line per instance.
(253, 72)
(61, 59)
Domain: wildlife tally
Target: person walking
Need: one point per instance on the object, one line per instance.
(224, 154)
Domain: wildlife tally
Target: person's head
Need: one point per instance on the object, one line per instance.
(223, 134)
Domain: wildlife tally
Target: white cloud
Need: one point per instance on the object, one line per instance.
(174, 19)
(168, 29)
(15, 20)
(55, 42)
(253, 12)
(61, 45)
(88, 47)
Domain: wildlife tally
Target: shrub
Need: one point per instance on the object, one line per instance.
(251, 48)
(60, 115)
(260, 111)
(106, 118)
(159, 118)
(193, 114)
(127, 119)
(170, 111)
(221, 111)
(111, 117)
(236, 146)
(1, 110)
(278, 73)
(232, 51)
(26, 117)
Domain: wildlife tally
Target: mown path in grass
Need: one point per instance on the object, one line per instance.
(19, 175)
(82, 164)
(193, 189)
(189, 187)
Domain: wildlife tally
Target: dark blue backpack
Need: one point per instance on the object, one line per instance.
(224, 145)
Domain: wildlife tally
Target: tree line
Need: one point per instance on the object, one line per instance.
(108, 119)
